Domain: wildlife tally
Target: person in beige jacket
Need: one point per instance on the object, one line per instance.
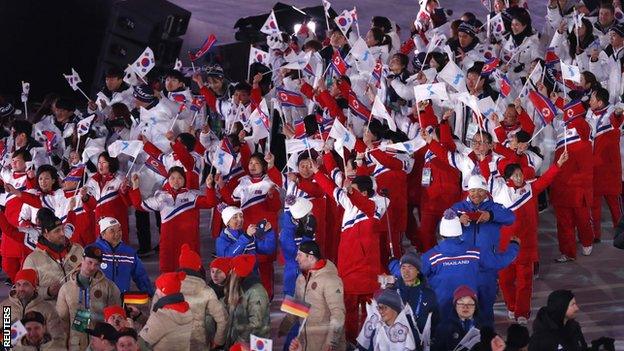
(170, 323)
(203, 302)
(54, 256)
(37, 337)
(319, 285)
(87, 290)
(24, 298)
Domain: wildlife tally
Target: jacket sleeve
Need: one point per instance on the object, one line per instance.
(9, 230)
(63, 310)
(152, 149)
(276, 177)
(257, 304)
(499, 260)
(209, 200)
(502, 215)
(526, 123)
(387, 160)
(209, 96)
(266, 245)
(364, 204)
(311, 188)
(216, 310)
(140, 276)
(334, 298)
(545, 179)
(31, 199)
(227, 193)
(287, 233)
(149, 204)
(229, 248)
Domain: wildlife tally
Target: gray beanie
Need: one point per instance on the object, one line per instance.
(411, 258)
(391, 298)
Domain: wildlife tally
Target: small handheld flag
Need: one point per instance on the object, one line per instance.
(208, 43)
(135, 298)
(289, 98)
(295, 307)
(270, 25)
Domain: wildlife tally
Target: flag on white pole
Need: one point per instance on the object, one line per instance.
(257, 55)
(144, 63)
(430, 91)
(342, 136)
(131, 148)
(570, 72)
(73, 79)
(270, 25)
(257, 343)
(84, 125)
(454, 76)
(379, 110)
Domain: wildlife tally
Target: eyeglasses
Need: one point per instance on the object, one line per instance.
(469, 305)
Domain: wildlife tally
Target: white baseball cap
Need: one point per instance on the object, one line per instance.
(300, 208)
(107, 222)
(229, 212)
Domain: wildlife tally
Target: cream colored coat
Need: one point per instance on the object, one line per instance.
(102, 293)
(203, 302)
(51, 271)
(37, 304)
(167, 330)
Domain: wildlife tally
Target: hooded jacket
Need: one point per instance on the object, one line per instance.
(551, 331)
(251, 315)
(37, 304)
(168, 329)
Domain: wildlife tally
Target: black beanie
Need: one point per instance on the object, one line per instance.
(310, 248)
(47, 220)
(557, 305)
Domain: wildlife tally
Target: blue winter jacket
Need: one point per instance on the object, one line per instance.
(488, 233)
(120, 264)
(289, 243)
(232, 243)
(454, 262)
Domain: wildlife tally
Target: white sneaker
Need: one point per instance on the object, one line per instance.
(587, 250)
(522, 321)
(510, 315)
(564, 259)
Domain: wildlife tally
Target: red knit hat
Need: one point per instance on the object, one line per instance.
(238, 347)
(464, 291)
(222, 263)
(189, 259)
(243, 265)
(169, 283)
(113, 309)
(29, 275)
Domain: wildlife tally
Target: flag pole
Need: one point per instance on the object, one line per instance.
(83, 93)
(131, 165)
(357, 23)
(536, 133)
(26, 109)
(192, 63)
(326, 20)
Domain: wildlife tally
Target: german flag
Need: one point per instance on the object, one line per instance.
(135, 298)
(296, 307)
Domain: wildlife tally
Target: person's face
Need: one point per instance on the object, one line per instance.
(113, 83)
(305, 261)
(572, 309)
(388, 315)
(118, 321)
(395, 65)
(333, 90)
(517, 177)
(18, 164)
(176, 180)
(477, 196)
(35, 332)
(605, 17)
(370, 39)
(21, 139)
(305, 168)
(499, 6)
(582, 30)
(173, 84)
(465, 307)
(480, 144)
(472, 79)
(236, 222)
(336, 39)
(56, 235)
(616, 39)
(89, 266)
(103, 166)
(217, 276)
(510, 117)
(113, 234)
(24, 290)
(594, 103)
(409, 273)
(517, 27)
(61, 114)
(242, 96)
(255, 167)
(215, 83)
(98, 343)
(127, 343)
(45, 182)
(432, 5)
(464, 39)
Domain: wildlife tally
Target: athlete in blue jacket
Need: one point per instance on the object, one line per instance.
(297, 225)
(233, 241)
(120, 262)
(482, 219)
(454, 262)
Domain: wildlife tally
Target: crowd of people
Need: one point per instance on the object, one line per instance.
(336, 153)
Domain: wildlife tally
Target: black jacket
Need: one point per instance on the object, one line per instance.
(548, 334)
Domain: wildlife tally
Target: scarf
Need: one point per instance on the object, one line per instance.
(173, 302)
(55, 251)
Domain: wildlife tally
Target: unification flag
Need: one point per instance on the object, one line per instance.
(131, 148)
(380, 110)
(208, 43)
(570, 72)
(428, 91)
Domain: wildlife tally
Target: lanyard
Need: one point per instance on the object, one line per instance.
(83, 295)
(417, 312)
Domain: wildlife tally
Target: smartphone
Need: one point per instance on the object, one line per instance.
(260, 228)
